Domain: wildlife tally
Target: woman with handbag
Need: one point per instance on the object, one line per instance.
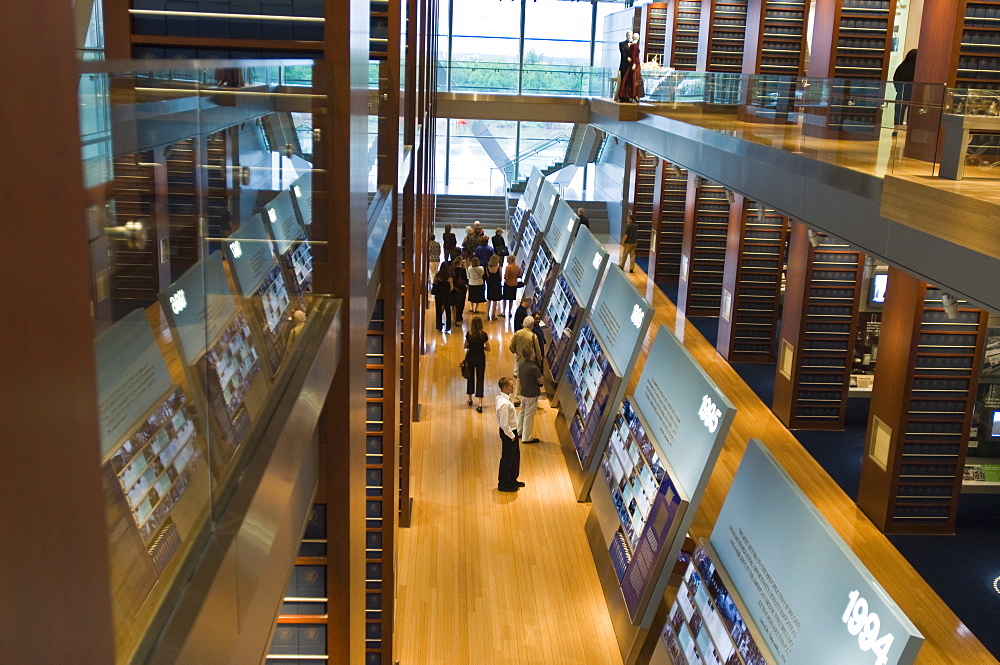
(442, 296)
(477, 343)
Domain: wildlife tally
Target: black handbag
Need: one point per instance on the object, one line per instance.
(466, 370)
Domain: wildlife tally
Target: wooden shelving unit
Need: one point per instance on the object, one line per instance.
(134, 275)
(684, 38)
(815, 350)
(303, 617)
(978, 62)
(724, 35)
(378, 39)
(380, 506)
(655, 38)
(775, 52)
(219, 217)
(703, 253)
(755, 259)
(918, 430)
(670, 227)
(857, 52)
(182, 207)
(642, 200)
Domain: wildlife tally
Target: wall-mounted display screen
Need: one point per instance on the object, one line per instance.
(560, 316)
(704, 625)
(879, 282)
(527, 243)
(591, 379)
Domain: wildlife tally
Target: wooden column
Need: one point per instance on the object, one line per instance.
(822, 294)
(54, 590)
(703, 249)
(918, 428)
(751, 286)
(342, 155)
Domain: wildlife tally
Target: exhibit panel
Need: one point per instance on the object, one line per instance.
(154, 471)
(522, 213)
(572, 295)
(302, 198)
(524, 242)
(550, 255)
(261, 283)
(218, 349)
(606, 346)
(809, 595)
(290, 242)
(655, 463)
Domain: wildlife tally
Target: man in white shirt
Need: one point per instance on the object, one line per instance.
(510, 453)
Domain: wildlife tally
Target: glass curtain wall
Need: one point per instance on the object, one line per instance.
(536, 47)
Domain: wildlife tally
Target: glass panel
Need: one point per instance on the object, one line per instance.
(203, 293)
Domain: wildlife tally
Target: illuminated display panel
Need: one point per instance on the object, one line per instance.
(541, 268)
(560, 316)
(591, 379)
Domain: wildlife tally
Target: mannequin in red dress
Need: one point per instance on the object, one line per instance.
(631, 86)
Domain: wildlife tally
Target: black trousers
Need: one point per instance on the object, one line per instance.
(443, 305)
(510, 462)
(904, 91)
(474, 384)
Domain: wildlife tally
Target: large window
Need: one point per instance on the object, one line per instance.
(530, 47)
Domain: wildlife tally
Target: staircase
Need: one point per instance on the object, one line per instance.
(597, 212)
(462, 211)
(584, 146)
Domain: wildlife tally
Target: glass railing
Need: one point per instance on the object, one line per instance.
(204, 234)
(866, 125)
(531, 79)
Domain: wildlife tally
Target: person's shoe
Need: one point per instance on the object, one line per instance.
(508, 489)
(520, 483)
(631, 270)
(469, 402)
(479, 409)
(517, 402)
(535, 440)
(502, 316)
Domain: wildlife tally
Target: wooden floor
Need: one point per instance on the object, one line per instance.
(486, 577)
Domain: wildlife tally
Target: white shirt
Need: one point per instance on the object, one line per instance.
(475, 275)
(506, 415)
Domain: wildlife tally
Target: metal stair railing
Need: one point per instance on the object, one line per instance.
(510, 165)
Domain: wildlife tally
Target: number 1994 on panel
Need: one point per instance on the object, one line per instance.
(866, 626)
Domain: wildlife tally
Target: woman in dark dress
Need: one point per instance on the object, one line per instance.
(499, 244)
(449, 242)
(442, 296)
(461, 282)
(494, 287)
(477, 343)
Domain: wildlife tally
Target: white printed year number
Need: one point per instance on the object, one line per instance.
(709, 414)
(865, 625)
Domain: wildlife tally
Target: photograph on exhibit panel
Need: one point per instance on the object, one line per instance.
(560, 317)
(591, 379)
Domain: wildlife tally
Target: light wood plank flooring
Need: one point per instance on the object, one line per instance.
(496, 578)
(484, 576)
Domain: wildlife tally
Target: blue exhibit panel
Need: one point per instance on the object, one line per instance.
(619, 318)
(592, 379)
